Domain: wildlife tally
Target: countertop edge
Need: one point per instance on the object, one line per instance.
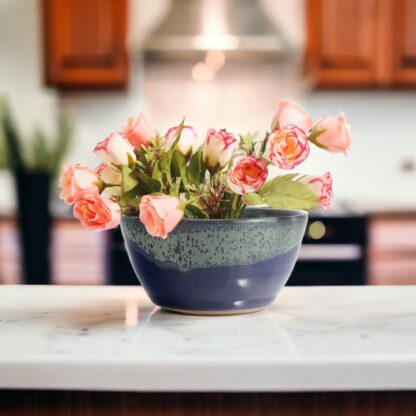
(263, 377)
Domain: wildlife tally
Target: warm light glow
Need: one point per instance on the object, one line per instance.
(215, 59)
(317, 230)
(213, 22)
(201, 72)
(215, 42)
(132, 313)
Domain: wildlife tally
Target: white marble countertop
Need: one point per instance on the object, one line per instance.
(113, 338)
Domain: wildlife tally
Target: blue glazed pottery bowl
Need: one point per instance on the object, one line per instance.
(217, 267)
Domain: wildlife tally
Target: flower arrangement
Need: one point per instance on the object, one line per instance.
(164, 179)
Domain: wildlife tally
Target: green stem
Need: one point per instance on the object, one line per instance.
(239, 206)
(235, 206)
(262, 147)
(230, 206)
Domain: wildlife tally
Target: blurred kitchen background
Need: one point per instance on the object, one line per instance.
(220, 63)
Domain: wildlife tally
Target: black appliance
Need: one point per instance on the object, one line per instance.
(334, 252)
(118, 267)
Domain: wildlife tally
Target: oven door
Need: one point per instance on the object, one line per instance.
(333, 252)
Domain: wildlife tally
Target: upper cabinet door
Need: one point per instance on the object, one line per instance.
(404, 43)
(343, 40)
(85, 43)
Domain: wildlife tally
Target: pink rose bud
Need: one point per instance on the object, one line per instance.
(113, 192)
(321, 186)
(336, 137)
(160, 214)
(218, 148)
(108, 175)
(138, 131)
(75, 178)
(292, 113)
(115, 151)
(188, 143)
(247, 174)
(95, 211)
(287, 147)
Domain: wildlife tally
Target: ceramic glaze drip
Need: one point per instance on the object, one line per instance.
(199, 244)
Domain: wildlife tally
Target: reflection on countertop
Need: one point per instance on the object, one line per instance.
(112, 338)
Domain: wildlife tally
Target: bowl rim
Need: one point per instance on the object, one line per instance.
(291, 213)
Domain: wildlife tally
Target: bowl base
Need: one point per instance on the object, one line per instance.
(213, 313)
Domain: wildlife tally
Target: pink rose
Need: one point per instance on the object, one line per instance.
(188, 143)
(108, 175)
(336, 137)
(321, 186)
(95, 211)
(287, 147)
(115, 151)
(247, 174)
(218, 148)
(160, 214)
(111, 179)
(75, 178)
(292, 113)
(138, 131)
(113, 192)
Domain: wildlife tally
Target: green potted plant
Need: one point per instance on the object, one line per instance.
(34, 163)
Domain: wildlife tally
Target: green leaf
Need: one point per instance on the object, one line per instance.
(44, 155)
(275, 182)
(313, 135)
(247, 142)
(141, 156)
(134, 202)
(156, 173)
(194, 211)
(175, 188)
(147, 185)
(164, 166)
(196, 169)
(166, 161)
(62, 143)
(128, 181)
(12, 139)
(41, 157)
(179, 167)
(129, 198)
(284, 192)
(291, 195)
(253, 199)
(264, 143)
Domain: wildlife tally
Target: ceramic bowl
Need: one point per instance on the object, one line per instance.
(217, 267)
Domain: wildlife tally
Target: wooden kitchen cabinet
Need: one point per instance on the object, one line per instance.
(361, 43)
(85, 43)
(404, 43)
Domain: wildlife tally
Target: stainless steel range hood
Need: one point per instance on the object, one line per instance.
(229, 25)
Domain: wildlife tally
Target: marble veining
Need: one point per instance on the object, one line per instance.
(113, 338)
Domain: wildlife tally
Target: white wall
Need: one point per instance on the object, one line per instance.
(21, 75)
(384, 128)
(383, 123)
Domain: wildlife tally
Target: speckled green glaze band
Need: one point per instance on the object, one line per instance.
(196, 244)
